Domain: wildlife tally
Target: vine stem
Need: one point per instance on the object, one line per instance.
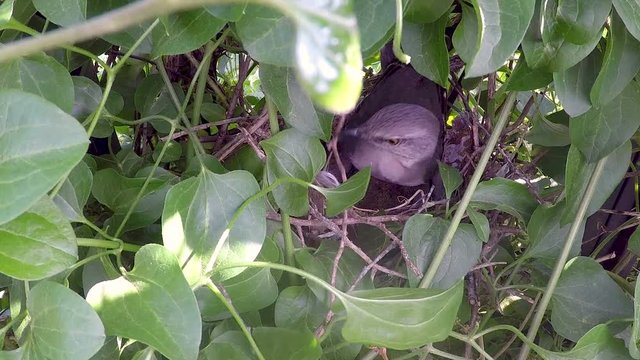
(466, 199)
(564, 255)
(397, 37)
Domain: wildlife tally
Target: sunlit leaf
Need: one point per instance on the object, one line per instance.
(347, 194)
(580, 21)
(184, 31)
(154, 295)
(504, 195)
(287, 344)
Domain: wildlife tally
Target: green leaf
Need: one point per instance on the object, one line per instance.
(635, 329)
(425, 43)
(451, 178)
(154, 295)
(347, 194)
(504, 195)
(621, 63)
(629, 11)
(6, 10)
(196, 218)
(74, 193)
(580, 21)
(63, 326)
(297, 306)
(287, 344)
(39, 144)
(576, 305)
(601, 130)
(152, 98)
(549, 130)
(253, 289)
(545, 48)
(578, 172)
(267, 35)
(41, 75)
(465, 36)
(172, 153)
(292, 102)
(293, 154)
(480, 223)
(400, 318)
(63, 12)
(375, 22)
(634, 242)
(524, 78)
(573, 85)
(87, 97)
(230, 12)
(423, 234)
(547, 234)
(597, 343)
(37, 244)
(495, 44)
(329, 66)
(184, 31)
(419, 12)
(231, 345)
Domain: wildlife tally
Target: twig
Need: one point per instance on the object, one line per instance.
(204, 126)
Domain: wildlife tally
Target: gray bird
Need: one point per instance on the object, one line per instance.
(400, 142)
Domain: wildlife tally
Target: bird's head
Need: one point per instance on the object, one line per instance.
(400, 143)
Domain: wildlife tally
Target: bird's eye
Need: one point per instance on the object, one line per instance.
(393, 141)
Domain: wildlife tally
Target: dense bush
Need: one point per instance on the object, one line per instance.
(157, 160)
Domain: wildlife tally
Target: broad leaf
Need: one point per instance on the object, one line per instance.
(578, 173)
(37, 244)
(267, 35)
(601, 130)
(480, 223)
(229, 12)
(451, 178)
(292, 154)
(423, 234)
(425, 43)
(74, 193)
(419, 12)
(63, 326)
(502, 25)
(41, 75)
(573, 85)
(580, 21)
(466, 35)
(231, 345)
(63, 12)
(576, 305)
(400, 318)
(294, 105)
(297, 306)
(549, 130)
(635, 330)
(504, 195)
(347, 194)
(195, 223)
(154, 295)
(629, 11)
(524, 78)
(287, 344)
(184, 31)
(547, 235)
(597, 343)
(621, 63)
(376, 19)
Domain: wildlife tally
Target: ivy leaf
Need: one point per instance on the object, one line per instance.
(504, 195)
(376, 19)
(287, 344)
(495, 43)
(63, 325)
(39, 144)
(154, 295)
(480, 222)
(451, 178)
(524, 78)
(420, 12)
(573, 85)
(547, 234)
(347, 194)
(74, 193)
(267, 35)
(580, 21)
(597, 343)
(629, 11)
(184, 31)
(196, 218)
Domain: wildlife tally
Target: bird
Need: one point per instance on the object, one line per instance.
(400, 142)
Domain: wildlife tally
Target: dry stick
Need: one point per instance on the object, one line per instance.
(371, 220)
(564, 255)
(233, 144)
(370, 266)
(403, 250)
(466, 199)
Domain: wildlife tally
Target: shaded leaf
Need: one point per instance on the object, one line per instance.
(597, 343)
(39, 144)
(525, 78)
(63, 326)
(576, 305)
(598, 132)
(451, 178)
(184, 31)
(347, 194)
(37, 244)
(547, 234)
(580, 21)
(629, 11)
(287, 344)
(573, 85)
(229, 12)
(420, 12)
(400, 318)
(549, 130)
(267, 35)
(293, 154)
(154, 295)
(425, 43)
(621, 63)
(376, 19)
(74, 193)
(504, 195)
(480, 223)
(297, 306)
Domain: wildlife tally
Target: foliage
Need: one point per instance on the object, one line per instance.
(193, 228)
